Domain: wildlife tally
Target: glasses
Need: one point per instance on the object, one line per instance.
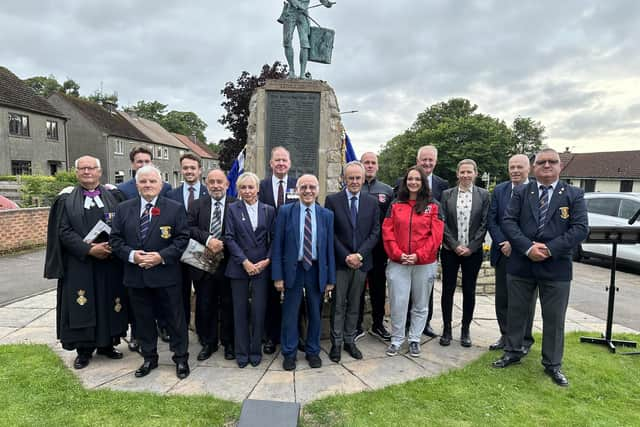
(88, 168)
(308, 187)
(551, 162)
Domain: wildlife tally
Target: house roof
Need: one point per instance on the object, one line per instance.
(153, 130)
(612, 164)
(197, 147)
(110, 123)
(15, 93)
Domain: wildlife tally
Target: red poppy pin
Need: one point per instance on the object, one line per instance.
(155, 211)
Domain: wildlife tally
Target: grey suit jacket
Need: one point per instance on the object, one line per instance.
(480, 202)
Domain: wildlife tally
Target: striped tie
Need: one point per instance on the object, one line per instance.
(144, 222)
(544, 206)
(216, 224)
(307, 257)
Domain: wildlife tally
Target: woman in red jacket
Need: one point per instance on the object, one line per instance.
(412, 233)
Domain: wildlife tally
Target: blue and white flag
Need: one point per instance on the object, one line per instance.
(348, 155)
(236, 170)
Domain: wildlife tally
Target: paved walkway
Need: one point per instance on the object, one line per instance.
(33, 321)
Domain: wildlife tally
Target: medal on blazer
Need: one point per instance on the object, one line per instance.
(165, 231)
(81, 300)
(564, 212)
(118, 306)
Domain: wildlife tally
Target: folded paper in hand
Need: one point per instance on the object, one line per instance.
(197, 255)
(97, 230)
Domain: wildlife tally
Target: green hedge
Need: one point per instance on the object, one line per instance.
(40, 190)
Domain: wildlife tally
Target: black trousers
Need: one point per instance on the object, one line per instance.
(169, 301)
(377, 282)
(273, 318)
(470, 266)
(214, 309)
(249, 317)
(186, 293)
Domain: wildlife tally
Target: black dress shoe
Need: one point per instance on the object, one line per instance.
(146, 367)
(353, 351)
(289, 363)
(498, 345)
(207, 351)
(255, 362)
(269, 347)
(182, 370)
(229, 353)
(465, 337)
(335, 353)
(110, 352)
(557, 376)
(381, 332)
(243, 364)
(134, 345)
(164, 334)
(82, 361)
(314, 361)
(505, 361)
(525, 350)
(428, 331)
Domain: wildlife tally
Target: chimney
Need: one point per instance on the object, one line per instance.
(109, 106)
(193, 138)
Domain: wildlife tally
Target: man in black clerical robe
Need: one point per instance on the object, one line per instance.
(91, 299)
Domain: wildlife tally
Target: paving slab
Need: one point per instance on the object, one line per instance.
(46, 300)
(378, 373)
(275, 385)
(20, 317)
(224, 383)
(48, 319)
(4, 331)
(160, 380)
(45, 335)
(313, 384)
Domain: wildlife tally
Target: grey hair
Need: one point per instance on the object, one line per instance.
(91, 157)
(355, 163)
(148, 169)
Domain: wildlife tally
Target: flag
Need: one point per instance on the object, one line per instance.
(237, 168)
(348, 155)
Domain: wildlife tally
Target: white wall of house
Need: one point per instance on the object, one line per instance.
(636, 186)
(607, 186)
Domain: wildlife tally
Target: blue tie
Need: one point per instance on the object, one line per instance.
(354, 216)
(544, 206)
(144, 222)
(307, 253)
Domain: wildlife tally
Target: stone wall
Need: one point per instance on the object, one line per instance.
(23, 228)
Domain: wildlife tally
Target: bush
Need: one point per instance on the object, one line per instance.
(12, 178)
(39, 190)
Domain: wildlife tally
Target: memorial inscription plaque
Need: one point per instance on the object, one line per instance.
(293, 121)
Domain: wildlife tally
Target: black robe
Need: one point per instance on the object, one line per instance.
(91, 300)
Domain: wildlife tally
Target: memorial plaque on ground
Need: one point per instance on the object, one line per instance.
(293, 121)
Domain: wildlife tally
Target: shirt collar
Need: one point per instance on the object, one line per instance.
(350, 195)
(221, 200)
(144, 202)
(462, 190)
(553, 185)
(275, 180)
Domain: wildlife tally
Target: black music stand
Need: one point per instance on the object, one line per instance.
(614, 236)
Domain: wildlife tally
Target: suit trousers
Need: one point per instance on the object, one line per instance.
(169, 301)
(248, 317)
(345, 307)
(306, 282)
(273, 318)
(214, 309)
(186, 293)
(470, 266)
(409, 281)
(502, 303)
(554, 298)
(377, 290)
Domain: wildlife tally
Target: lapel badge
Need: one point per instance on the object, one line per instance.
(564, 212)
(427, 210)
(165, 231)
(118, 306)
(81, 300)
(382, 198)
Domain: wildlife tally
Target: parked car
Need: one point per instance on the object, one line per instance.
(611, 209)
(6, 203)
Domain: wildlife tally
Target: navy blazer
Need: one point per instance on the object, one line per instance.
(245, 243)
(176, 194)
(565, 228)
(130, 190)
(168, 234)
(265, 194)
(367, 227)
(438, 185)
(499, 202)
(286, 245)
(477, 223)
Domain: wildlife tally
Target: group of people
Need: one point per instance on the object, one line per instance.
(280, 256)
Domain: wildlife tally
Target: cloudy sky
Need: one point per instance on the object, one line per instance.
(573, 65)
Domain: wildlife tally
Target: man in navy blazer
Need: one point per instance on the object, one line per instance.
(356, 228)
(501, 248)
(276, 190)
(303, 259)
(139, 157)
(545, 221)
(186, 194)
(149, 235)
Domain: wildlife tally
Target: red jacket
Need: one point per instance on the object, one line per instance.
(408, 232)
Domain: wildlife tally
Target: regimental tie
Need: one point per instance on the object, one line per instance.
(307, 254)
(280, 193)
(216, 222)
(543, 207)
(191, 197)
(354, 217)
(144, 222)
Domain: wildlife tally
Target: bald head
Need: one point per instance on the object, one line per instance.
(518, 169)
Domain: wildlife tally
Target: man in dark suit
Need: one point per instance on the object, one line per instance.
(207, 219)
(501, 248)
(186, 194)
(303, 261)
(275, 191)
(356, 228)
(149, 235)
(545, 221)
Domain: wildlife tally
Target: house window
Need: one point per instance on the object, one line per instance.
(119, 177)
(165, 153)
(588, 185)
(18, 124)
(53, 168)
(20, 167)
(52, 129)
(166, 177)
(626, 186)
(119, 147)
(158, 152)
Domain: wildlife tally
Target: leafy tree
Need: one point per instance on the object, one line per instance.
(152, 110)
(528, 135)
(71, 88)
(45, 86)
(458, 132)
(236, 118)
(99, 97)
(184, 122)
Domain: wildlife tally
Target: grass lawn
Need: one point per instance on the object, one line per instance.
(37, 389)
(604, 390)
